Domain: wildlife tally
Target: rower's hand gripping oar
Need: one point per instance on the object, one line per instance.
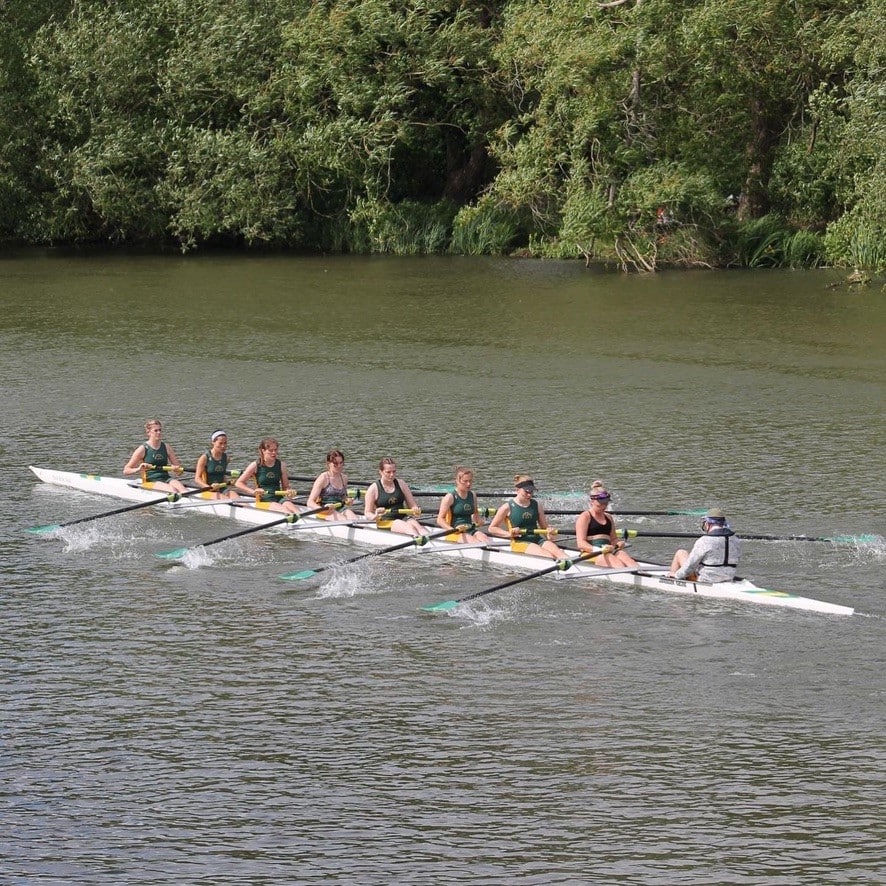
(559, 566)
(178, 553)
(168, 498)
(415, 540)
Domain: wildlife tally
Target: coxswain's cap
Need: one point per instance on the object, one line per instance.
(715, 515)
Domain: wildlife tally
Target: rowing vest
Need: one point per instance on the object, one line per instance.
(158, 458)
(462, 511)
(269, 479)
(525, 519)
(216, 469)
(724, 559)
(390, 501)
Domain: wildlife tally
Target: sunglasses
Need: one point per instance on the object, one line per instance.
(601, 496)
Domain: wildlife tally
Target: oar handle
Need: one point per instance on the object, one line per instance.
(233, 474)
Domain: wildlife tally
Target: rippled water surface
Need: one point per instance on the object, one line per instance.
(207, 722)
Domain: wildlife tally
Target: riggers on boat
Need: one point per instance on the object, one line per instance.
(648, 575)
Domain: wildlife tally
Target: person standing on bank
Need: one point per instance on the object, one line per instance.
(151, 457)
(714, 557)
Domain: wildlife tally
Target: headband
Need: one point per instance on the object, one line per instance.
(216, 435)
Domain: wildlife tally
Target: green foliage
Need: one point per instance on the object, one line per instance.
(768, 242)
(405, 228)
(483, 229)
(858, 238)
(378, 125)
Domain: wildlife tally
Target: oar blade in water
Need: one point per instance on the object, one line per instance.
(175, 554)
(37, 530)
(299, 576)
(444, 606)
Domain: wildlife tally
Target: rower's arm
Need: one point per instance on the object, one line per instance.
(497, 526)
(443, 513)
(134, 465)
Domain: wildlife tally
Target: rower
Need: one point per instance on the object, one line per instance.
(211, 472)
(270, 479)
(595, 529)
(458, 510)
(388, 495)
(330, 489)
(151, 458)
(522, 519)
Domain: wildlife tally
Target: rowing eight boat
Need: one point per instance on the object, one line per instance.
(246, 511)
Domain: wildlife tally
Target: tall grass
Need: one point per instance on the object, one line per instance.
(769, 242)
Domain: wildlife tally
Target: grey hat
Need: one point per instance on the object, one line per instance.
(714, 514)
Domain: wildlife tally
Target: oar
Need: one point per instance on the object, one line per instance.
(834, 539)
(170, 497)
(178, 553)
(417, 541)
(441, 490)
(698, 512)
(560, 565)
(172, 468)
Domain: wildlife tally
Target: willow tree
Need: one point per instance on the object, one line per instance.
(855, 119)
(19, 113)
(387, 103)
(622, 107)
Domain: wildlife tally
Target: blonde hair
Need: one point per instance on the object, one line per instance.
(151, 422)
(463, 472)
(521, 478)
(597, 484)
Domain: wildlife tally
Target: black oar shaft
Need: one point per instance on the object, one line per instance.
(560, 565)
(417, 540)
(168, 498)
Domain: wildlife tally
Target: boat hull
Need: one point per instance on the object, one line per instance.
(246, 511)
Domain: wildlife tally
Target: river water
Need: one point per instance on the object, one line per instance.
(210, 723)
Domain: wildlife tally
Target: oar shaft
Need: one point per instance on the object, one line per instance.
(569, 513)
(177, 553)
(170, 497)
(416, 540)
(837, 539)
(560, 565)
